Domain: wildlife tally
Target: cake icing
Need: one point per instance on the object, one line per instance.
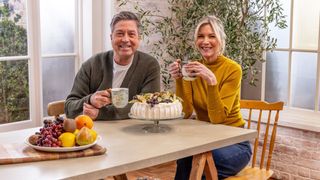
(163, 105)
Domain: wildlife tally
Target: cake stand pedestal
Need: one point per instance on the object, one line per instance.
(156, 127)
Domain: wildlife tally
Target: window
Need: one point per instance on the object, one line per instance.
(41, 50)
(292, 69)
(26, 28)
(58, 48)
(14, 62)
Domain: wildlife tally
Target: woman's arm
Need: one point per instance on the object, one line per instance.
(184, 91)
(221, 102)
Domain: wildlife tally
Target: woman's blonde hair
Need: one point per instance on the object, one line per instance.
(217, 27)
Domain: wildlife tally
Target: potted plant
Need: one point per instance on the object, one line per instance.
(246, 25)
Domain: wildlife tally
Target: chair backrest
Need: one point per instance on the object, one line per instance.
(272, 122)
(55, 108)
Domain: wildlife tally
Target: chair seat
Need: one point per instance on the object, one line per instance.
(249, 173)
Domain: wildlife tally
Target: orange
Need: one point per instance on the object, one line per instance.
(83, 120)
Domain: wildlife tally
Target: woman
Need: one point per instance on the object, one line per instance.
(214, 96)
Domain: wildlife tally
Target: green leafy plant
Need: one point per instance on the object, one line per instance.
(14, 91)
(246, 24)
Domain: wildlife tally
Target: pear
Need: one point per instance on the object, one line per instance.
(84, 137)
(69, 125)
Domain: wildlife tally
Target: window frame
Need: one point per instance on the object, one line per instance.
(91, 31)
(292, 116)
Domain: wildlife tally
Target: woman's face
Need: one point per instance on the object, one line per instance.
(207, 43)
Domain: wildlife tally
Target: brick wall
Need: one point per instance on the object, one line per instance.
(297, 152)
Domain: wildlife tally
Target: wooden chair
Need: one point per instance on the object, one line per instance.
(55, 108)
(261, 173)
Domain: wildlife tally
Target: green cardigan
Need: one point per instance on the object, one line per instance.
(96, 74)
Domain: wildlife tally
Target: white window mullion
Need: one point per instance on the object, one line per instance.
(108, 14)
(318, 73)
(79, 34)
(59, 55)
(97, 26)
(263, 77)
(290, 54)
(34, 51)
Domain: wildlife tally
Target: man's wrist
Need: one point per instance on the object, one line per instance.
(89, 99)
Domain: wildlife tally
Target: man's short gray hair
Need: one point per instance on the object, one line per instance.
(125, 15)
(217, 27)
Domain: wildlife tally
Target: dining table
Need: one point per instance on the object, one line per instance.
(130, 147)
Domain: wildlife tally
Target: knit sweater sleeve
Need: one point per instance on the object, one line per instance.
(184, 91)
(221, 98)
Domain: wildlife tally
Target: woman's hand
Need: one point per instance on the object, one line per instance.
(90, 111)
(175, 69)
(197, 69)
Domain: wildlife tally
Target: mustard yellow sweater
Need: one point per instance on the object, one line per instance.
(218, 104)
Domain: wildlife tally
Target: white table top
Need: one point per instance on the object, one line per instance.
(128, 148)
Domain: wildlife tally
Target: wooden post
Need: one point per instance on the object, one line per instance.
(203, 164)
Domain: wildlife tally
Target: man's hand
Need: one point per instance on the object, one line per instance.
(90, 111)
(101, 98)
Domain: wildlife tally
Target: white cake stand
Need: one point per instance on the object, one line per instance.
(156, 127)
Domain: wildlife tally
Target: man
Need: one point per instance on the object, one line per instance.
(123, 66)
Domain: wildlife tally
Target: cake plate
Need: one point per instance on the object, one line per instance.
(155, 127)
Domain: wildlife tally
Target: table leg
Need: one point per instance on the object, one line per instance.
(203, 163)
(120, 177)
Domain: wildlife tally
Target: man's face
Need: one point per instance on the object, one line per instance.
(125, 39)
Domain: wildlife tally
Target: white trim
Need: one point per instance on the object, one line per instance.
(293, 118)
(79, 34)
(108, 14)
(14, 58)
(318, 73)
(59, 55)
(296, 50)
(16, 125)
(290, 54)
(263, 77)
(35, 78)
(97, 26)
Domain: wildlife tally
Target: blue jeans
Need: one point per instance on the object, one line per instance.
(229, 161)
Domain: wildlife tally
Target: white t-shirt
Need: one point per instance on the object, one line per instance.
(119, 72)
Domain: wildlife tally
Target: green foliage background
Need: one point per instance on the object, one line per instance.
(14, 90)
(245, 22)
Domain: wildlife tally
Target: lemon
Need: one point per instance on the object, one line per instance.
(67, 139)
(76, 132)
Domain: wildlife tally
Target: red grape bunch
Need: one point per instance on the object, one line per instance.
(49, 133)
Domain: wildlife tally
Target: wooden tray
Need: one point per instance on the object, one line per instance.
(21, 153)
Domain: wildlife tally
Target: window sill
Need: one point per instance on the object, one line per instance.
(293, 118)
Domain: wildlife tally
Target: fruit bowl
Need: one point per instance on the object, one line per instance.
(62, 149)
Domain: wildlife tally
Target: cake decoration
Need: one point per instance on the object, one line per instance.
(158, 105)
